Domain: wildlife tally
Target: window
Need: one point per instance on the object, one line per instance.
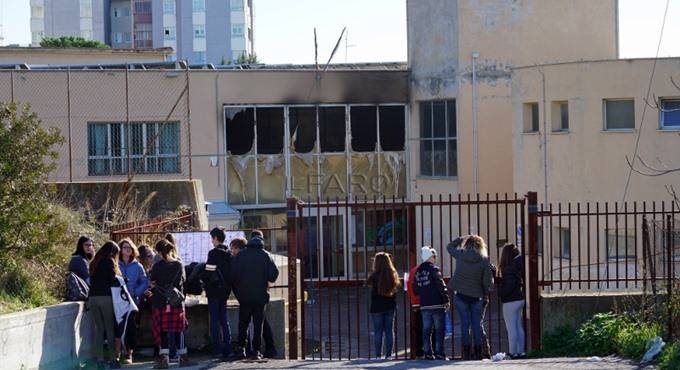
(393, 129)
(37, 12)
(169, 33)
(128, 36)
(118, 37)
(438, 156)
(560, 116)
(199, 57)
(154, 148)
(116, 13)
(168, 6)
(619, 114)
(302, 122)
(236, 5)
(198, 5)
(530, 116)
(142, 6)
(199, 31)
(332, 129)
(240, 123)
(670, 114)
(237, 30)
(270, 130)
(620, 243)
(126, 12)
(561, 243)
(363, 123)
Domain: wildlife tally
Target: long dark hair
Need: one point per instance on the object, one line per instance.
(80, 247)
(110, 250)
(384, 276)
(165, 249)
(509, 252)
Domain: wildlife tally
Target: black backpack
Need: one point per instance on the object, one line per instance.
(76, 288)
(193, 283)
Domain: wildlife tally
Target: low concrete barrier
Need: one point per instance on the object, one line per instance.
(52, 337)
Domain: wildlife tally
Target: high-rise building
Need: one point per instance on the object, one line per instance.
(201, 31)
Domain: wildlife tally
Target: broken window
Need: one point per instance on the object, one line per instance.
(302, 122)
(363, 127)
(392, 127)
(240, 124)
(270, 130)
(438, 138)
(332, 129)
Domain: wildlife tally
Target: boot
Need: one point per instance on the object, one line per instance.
(185, 362)
(466, 352)
(163, 362)
(477, 353)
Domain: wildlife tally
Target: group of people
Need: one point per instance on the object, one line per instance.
(154, 279)
(468, 289)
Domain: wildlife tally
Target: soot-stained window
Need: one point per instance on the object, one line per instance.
(302, 122)
(392, 128)
(364, 131)
(240, 123)
(270, 130)
(332, 129)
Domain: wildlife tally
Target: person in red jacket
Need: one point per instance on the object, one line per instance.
(415, 308)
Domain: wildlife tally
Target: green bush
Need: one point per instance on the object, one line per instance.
(632, 339)
(597, 336)
(71, 42)
(669, 359)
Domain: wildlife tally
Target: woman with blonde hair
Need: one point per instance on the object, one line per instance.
(137, 283)
(384, 283)
(470, 285)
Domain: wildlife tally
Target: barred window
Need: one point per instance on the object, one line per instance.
(153, 148)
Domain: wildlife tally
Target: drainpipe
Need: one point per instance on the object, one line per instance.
(545, 142)
(475, 151)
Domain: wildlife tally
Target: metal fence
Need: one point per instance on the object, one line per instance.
(117, 123)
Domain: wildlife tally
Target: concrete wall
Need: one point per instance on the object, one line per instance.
(78, 56)
(53, 337)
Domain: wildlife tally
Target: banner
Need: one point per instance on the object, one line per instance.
(194, 246)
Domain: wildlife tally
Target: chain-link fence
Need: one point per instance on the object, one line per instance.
(118, 123)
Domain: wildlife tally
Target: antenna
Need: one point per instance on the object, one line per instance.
(316, 52)
(347, 44)
(335, 49)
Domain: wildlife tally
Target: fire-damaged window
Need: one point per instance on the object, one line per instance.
(392, 127)
(270, 130)
(332, 129)
(240, 126)
(302, 122)
(438, 146)
(363, 121)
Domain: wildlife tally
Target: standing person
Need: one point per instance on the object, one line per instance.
(137, 284)
(384, 282)
(146, 257)
(215, 279)
(434, 301)
(235, 246)
(167, 275)
(470, 284)
(511, 293)
(253, 270)
(80, 259)
(103, 272)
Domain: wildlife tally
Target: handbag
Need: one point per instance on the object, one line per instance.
(173, 296)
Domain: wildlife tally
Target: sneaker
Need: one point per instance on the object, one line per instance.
(127, 359)
(241, 354)
(114, 364)
(441, 357)
(388, 358)
(257, 356)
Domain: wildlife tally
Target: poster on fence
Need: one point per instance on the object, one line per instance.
(194, 246)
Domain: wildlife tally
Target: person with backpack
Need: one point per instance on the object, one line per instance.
(253, 270)
(434, 301)
(137, 283)
(167, 302)
(470, 286)
(80, 259)
(215, 277)
(103, 271)
(511, 293)
(384, 283)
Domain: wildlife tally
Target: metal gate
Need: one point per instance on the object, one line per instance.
(336, 240)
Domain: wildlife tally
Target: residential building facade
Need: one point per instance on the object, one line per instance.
(82, 18)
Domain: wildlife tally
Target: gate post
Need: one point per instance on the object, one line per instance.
(412, 261)
(291, 230)
(534, 304)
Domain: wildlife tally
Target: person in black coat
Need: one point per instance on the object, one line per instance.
(434, 301)
(511, 293)
(215, 277)
(80, 259)
(252, 272)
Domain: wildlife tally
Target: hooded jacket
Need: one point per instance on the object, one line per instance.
(510, 284)
(429, 286)
(217, 273)
(135, 276)
(473, 271)
(252, 271)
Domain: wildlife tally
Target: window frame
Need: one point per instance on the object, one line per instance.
(198, 6)
(662, 125)
(446, 138)
(171, 34)
(617, 233)
(236, 26)
(604, 115)
(528, 117)
(557, 115)
(199, 35)
(169, 7)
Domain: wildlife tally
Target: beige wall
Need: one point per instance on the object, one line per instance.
(588, 163)
(50, 56)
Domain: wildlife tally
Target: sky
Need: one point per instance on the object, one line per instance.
(284, 29)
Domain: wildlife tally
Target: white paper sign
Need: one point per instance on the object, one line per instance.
(194, 246)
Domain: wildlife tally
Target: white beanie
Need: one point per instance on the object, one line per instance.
(427, 252)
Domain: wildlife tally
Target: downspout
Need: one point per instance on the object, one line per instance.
(545, 142)
(475, 151)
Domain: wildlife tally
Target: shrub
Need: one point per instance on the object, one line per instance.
(71, 42)
(562, 341)
(669, 359)
(632, 339)
(597, 336)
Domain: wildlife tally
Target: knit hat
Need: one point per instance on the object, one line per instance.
(427, 252)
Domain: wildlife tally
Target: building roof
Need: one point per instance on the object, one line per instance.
(596, 61)
(30, 49)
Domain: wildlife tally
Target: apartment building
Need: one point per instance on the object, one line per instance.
(200, 31)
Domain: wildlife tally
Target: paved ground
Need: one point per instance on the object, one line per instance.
(608, 363)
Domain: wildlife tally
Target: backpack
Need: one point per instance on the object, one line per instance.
(76, 288)
(193, 283)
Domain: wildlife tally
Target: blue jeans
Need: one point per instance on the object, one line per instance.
(433, 318)
(470, 316)
(383, 324)
(219, 327)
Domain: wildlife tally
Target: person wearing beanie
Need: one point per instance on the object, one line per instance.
(434, 301)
